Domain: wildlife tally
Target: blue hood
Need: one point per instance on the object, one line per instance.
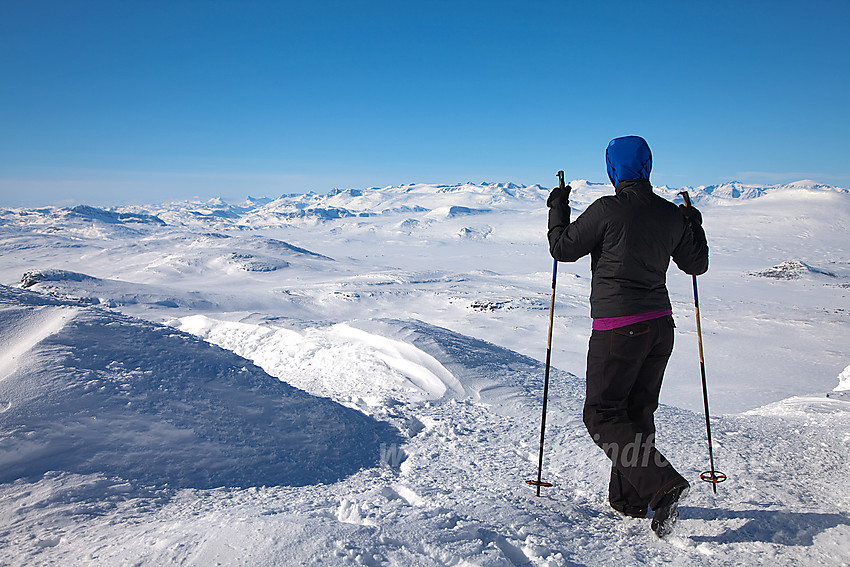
(628, 158)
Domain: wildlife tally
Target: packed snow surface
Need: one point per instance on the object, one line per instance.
(356, 379)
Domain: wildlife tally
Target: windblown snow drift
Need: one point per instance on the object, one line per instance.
(90, 391)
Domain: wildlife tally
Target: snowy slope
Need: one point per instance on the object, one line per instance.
(97, 392)
(452, 493)
(373, 394)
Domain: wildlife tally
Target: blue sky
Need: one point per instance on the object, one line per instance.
(133, 102)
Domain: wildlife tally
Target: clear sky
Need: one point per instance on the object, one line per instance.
(111, 102)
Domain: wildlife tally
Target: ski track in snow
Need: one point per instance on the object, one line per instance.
(332, 430)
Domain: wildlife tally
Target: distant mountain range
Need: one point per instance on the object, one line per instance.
(435, 201)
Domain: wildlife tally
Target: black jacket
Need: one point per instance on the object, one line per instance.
(630, 237)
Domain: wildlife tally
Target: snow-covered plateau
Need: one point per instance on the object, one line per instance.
(356, 379)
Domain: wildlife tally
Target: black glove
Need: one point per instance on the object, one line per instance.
(692, 215)
(559, 196)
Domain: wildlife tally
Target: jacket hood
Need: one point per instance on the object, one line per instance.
(628, 158)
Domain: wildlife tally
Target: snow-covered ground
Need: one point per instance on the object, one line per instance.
(356, 378)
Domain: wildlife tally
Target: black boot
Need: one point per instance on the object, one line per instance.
(667, 511)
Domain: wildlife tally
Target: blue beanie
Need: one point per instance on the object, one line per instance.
(628, 158)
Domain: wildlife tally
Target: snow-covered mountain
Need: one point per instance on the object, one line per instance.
(738, 190)
(355, 378)
(413, 199)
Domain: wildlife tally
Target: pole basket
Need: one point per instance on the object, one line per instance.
(714, 477)
(540, 483)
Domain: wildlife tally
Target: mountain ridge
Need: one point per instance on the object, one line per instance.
(460, 198)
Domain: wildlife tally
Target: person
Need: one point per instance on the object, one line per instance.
(631, 237)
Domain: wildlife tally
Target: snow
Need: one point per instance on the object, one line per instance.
(843, 380)
(343, 353)
(355, 378)
(143, 402)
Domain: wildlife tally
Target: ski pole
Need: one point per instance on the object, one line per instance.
(713, 476)
(539, 482)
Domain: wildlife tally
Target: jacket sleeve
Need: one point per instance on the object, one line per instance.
(691, 254)
(569, 241)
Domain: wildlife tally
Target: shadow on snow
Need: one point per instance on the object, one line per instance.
(767, 526)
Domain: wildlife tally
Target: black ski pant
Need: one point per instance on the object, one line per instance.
(625, 368)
